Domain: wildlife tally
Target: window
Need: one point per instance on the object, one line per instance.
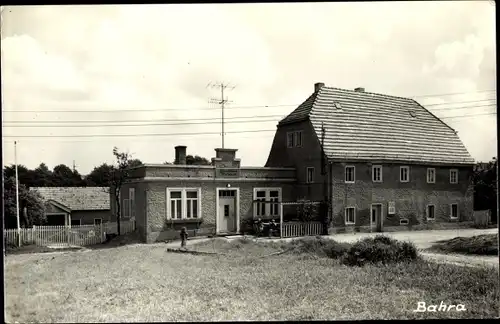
(97, 221)
(430, 212)
(349, 215)
(453, 176)
(377, 173)
(76, 222)
(266, 202)
(294, 139)
(403, 221)
(298, 138)
(289, 139)
(131, 198)
(349, 174)
(431, 175)
(454, 211)
(183, 203)
(192, 204)
(125, 208)
(404, 174)
(310, 175)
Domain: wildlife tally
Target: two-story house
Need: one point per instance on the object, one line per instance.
(379, 160)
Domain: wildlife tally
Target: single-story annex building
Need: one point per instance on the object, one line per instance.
(215, 199)
(75, 205)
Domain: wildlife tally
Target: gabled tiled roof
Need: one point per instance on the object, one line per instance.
(77, 198)
(301, 112)
(370, 126)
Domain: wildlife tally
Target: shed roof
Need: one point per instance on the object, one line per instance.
(77, 198)
(370, 126)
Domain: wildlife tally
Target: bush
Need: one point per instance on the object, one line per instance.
(380, 249)
(318, 246)
(481, 245)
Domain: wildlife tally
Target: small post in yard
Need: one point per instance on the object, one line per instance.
(184, 236)
(17, 197)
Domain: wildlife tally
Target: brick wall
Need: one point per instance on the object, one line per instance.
(411, 198)
(309, 155)
(158, 227)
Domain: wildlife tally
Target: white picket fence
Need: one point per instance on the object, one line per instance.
(66, 235)
(296, 229)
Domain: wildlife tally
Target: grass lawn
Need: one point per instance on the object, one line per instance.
(145, 283)
(479, 245)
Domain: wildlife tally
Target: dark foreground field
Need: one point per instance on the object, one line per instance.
(248, 282)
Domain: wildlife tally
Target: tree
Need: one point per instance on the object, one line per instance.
(193, 160)
(30, 200)
(25, 175)
(63, 176)
(485, 189)
(134, 163)
(100, 176)
(120, 174)
(197, 160)
(43, 176)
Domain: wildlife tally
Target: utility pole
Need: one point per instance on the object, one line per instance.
(222, 86)
(74, 166)
(17, 197)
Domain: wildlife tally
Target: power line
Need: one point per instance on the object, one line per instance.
(196, 119)
(233, 107)
(135, 135)
(134, 120)
(150, 124)
(181, 122)
(188, 134)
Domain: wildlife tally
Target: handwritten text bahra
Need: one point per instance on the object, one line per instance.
(421, 307)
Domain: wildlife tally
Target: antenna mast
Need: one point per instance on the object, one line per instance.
(222, 86)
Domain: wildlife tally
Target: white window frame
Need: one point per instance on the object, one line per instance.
(131, 202)
(296, 136)
(451, 211)
(353, 215)
(268, 207)
(375, 167)
(183, 200)
(97, 219)
(290, 139)
(310, 179)
(407, 168)
(353, 173)
(456, 178)
(427, 212)
(433, 178)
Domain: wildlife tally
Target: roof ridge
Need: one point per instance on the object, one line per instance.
(367, 92)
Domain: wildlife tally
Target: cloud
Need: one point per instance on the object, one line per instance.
(161, 57)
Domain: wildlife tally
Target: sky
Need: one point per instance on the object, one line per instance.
(79, 80)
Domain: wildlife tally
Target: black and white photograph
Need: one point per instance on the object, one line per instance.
(285, 161)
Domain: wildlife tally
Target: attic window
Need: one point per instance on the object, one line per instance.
(412, 113)
(337, 105)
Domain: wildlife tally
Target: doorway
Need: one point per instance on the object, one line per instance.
(227, 211)
(376, 218)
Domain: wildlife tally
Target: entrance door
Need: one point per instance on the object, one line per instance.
(376, 217)
(227, 211)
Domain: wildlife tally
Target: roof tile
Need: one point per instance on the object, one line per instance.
(382, 127)
(77, 198)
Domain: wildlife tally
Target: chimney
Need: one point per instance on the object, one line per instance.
(180, 155)
(318, 86)
(359, 89)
